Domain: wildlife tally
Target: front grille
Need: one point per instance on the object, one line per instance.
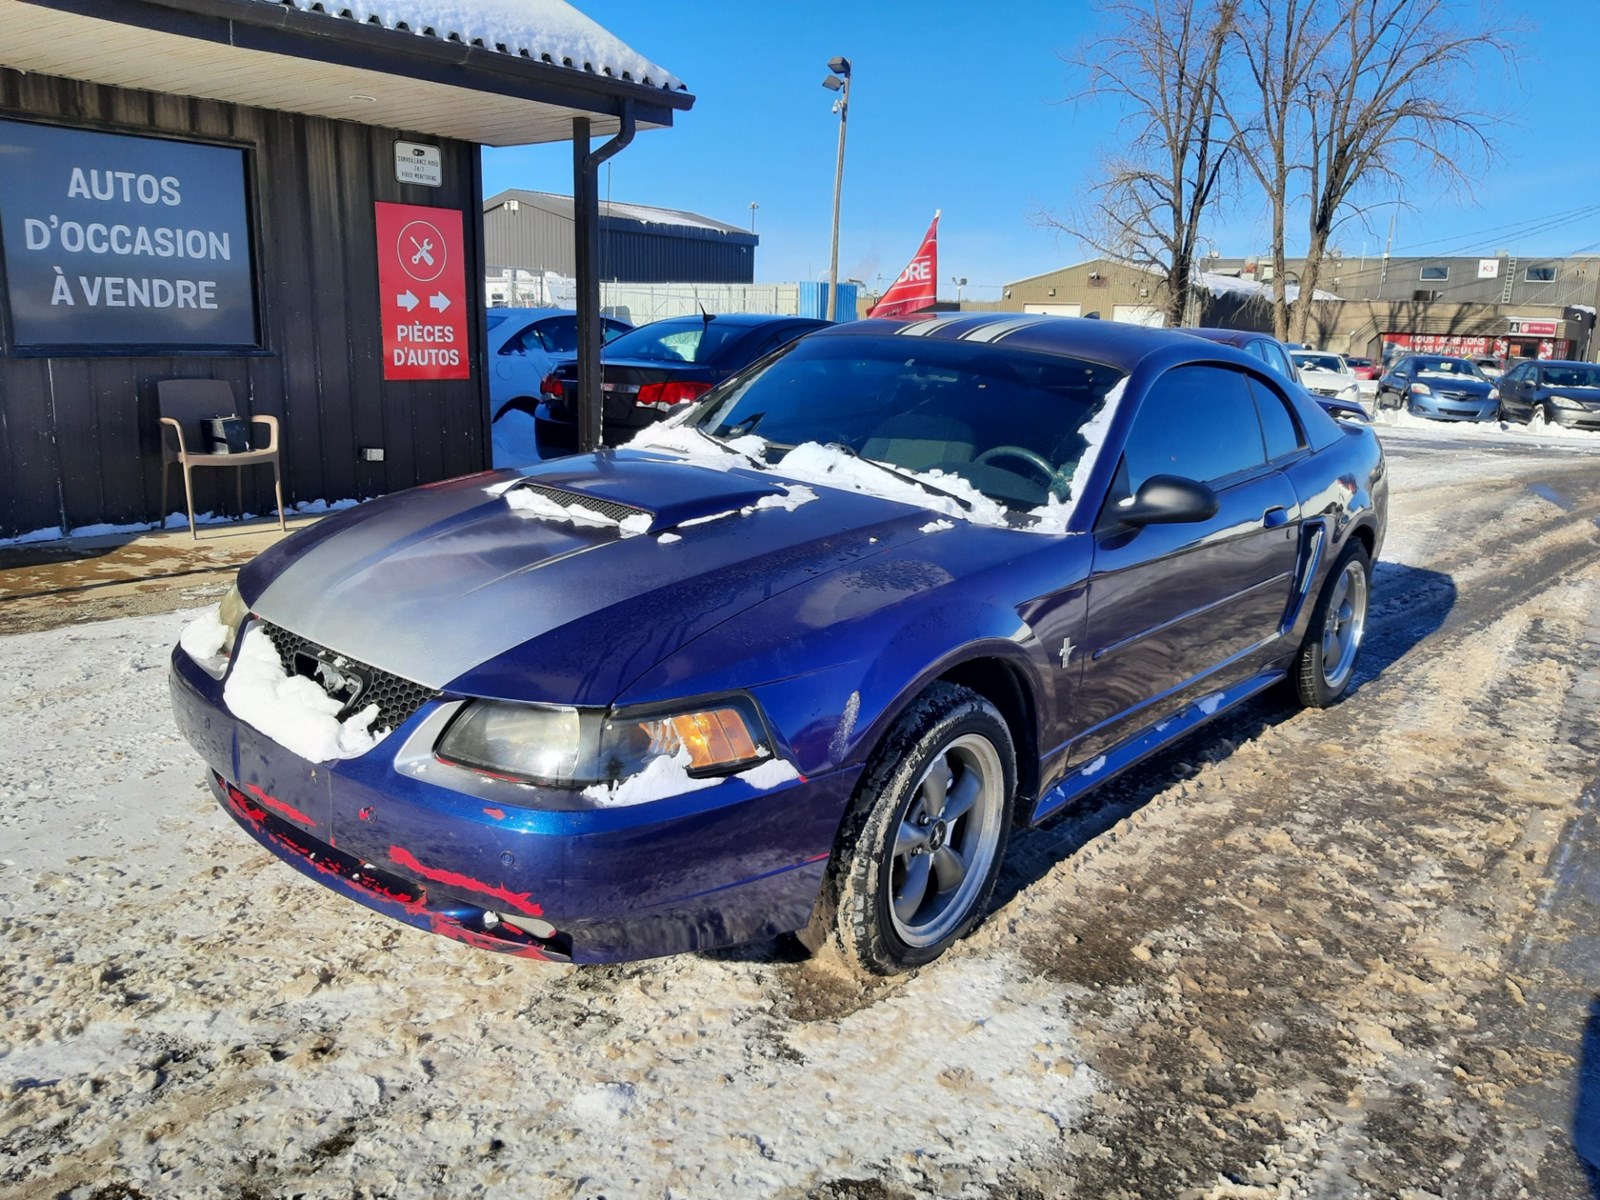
(397, 699)
(610, 509)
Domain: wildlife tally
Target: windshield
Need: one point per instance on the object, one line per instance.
(1010, 423)
(680, 340)
(1318, 362)
(1456, 368)
(1574, 375)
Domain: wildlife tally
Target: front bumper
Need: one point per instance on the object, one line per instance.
(1575, 418)
(716, 867)
(1453, 410)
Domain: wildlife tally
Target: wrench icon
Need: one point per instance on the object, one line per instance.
(424, 251)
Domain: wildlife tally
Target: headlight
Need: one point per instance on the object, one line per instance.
(1494, 393)
(569, 747)
(231, 613)
(1421, 389)
(1350, 392)
(1565, 402)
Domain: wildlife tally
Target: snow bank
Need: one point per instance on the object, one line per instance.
(666, 777)
(293, 711)
(1537, 430)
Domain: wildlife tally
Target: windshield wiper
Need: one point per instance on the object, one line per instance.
(722, 445)
(898, 473)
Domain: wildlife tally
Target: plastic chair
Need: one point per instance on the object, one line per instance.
(186, 404)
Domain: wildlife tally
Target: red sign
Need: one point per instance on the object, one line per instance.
(918, 285)
(422, 292)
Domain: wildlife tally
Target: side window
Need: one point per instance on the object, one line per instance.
(1278, 425)
(1198, 422)
(560, 334)
(1278, 360)
(522, 342)
(612, 329)
(1257, 348)
(781, 336)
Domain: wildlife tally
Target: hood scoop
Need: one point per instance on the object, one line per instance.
(613, 510)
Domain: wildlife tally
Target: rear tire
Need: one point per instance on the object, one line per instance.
(921, 847)
(1327, 659)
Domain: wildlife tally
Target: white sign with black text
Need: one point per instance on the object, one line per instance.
(416, 163)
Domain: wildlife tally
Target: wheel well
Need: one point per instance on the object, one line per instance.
(1364, 535)
(1002, 686)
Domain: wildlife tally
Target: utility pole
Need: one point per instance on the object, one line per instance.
(838, 81)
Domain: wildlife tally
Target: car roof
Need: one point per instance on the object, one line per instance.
(1232, 337)
(738, 320)
(1559, 362)
(1114, 343)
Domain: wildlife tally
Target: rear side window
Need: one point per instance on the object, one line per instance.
(1199, 422)
(1278, 425)
(1278, 360)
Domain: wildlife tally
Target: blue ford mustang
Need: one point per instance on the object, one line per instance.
(798, 659)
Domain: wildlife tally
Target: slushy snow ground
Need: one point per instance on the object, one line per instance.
(185, 1015)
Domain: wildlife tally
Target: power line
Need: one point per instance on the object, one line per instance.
(1526, 227)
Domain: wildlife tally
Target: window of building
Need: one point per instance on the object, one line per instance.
(1539, 274)
(1435, 273)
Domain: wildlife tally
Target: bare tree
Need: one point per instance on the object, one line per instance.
(1281, 44)
(1361, 106)
(1162, 62)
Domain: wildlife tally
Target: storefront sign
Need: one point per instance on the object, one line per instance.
(114, 240)
(1528, 328)
(1454, 345)
(422, 292)
(416, 163)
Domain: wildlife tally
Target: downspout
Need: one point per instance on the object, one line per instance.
(586, 216)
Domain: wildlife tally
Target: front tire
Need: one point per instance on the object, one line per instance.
(1327, 659)
(922, 846)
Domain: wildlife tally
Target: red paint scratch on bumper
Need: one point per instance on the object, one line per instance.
(520, 901)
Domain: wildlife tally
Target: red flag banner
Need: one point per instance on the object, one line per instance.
(918, 285)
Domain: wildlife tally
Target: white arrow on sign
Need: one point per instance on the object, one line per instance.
(406, 300)
(438, 301)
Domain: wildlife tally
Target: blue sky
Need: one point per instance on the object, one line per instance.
(962, 107)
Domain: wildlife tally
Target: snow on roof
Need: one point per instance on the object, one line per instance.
(549, 31)
(643, 213)
(1220, 285)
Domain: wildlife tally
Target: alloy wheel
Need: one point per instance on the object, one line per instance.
(1344, 625)
(946, 840)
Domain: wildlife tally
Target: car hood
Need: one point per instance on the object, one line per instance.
(450, 584)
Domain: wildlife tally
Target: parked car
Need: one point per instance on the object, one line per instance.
(524, 346)
(650, 371)
(1366, 372)
(1446, 389)
(1326, 374)
(1556, 391)
(1489, 367)
(1276, 355)
(798, 659)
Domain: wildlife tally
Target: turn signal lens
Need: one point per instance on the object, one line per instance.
(232, 612)
(714, 738)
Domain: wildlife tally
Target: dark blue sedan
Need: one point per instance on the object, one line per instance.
(648, 372)
(800, 658)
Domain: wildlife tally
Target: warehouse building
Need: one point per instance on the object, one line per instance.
(276, 195)
(531, 233)
(1499, 305)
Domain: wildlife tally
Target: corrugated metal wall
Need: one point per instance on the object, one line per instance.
(79, 435)
(533, 239)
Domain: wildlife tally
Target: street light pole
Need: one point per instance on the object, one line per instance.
(753, 207)
(838, 81)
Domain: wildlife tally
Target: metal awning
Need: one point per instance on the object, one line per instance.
(281, 57)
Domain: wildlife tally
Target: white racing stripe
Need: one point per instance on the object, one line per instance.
(999, 328)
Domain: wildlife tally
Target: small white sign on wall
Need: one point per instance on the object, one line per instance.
(1488, 268)
(416, 163)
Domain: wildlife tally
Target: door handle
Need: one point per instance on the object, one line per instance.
(1275, 516)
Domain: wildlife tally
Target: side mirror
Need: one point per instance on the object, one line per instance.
(1168, 500)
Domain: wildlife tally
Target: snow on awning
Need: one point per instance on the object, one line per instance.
(494, 72)
(551, 31)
